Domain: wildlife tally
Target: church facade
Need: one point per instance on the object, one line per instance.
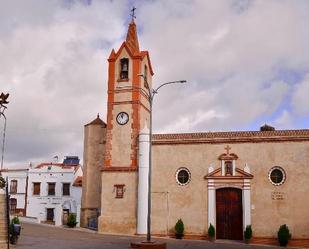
(227, 179)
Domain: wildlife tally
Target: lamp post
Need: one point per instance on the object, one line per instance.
(151, 93)
(3, 103)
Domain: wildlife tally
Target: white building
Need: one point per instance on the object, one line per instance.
(54, 191)
(17, 179)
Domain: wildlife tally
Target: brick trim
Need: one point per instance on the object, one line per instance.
(119, 169)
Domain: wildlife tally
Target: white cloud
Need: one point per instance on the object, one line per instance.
(53, 62)
(284, 121)
(300, 97)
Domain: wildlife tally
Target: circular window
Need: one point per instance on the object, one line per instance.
(276, 176)
(183, 176)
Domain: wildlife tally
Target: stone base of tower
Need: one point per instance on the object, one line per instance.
(117, 225)
(148, 245)
(118, 208)
(88, 214)
(3, 221)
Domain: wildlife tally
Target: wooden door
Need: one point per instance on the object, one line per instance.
(50, 214)
(229, 214)
(65, 215)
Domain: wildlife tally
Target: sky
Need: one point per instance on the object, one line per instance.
(246, 63)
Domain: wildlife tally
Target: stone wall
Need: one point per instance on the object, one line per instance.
(3, 222)
(171, 201)
(94, 144)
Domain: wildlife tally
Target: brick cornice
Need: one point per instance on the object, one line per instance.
(232, 137)
(119, 169)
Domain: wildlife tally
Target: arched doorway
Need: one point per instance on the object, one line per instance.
(229, 213)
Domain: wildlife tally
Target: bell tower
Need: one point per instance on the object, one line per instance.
(127, 114)
(127, 106)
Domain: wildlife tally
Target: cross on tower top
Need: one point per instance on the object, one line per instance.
(228, 148)
(133, 14)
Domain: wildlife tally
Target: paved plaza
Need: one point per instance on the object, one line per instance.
(35, 236)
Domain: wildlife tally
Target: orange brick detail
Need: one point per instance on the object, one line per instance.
(136, 96)
(110, 100)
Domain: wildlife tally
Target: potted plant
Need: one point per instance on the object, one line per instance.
(211, 232)
(14, 230)
(284, 235)
(179, 229)
(248, 234)
(72, 220)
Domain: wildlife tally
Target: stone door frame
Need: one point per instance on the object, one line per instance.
(241, 180)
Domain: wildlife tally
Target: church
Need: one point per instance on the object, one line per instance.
(228, 179)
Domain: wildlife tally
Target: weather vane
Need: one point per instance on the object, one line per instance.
(133, 14)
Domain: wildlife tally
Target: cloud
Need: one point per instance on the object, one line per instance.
(234, 55)
(284, 121)
(54, 66)
(300, 97)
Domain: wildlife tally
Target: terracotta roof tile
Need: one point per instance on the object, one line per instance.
(132, 40)
(64, 166)
(78, 182)
(97, 121)
(233, 136)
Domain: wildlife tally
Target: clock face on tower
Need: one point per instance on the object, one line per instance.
(122, 118)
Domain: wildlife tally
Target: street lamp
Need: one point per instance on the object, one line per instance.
(151, 93)
(3, 103)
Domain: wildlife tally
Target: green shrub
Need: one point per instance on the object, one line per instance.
(211, 231)
(284, 235)
(15, 220)
(179, 229)
(248, 232)
(72, 220)
(2, 182)
(14, 230)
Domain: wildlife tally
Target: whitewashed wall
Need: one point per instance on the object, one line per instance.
(37, 205)
(21, 177)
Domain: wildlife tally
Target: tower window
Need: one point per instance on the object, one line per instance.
(145, 77)
(124, 68)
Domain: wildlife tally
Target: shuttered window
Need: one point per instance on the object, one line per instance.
(66, 189)
(36, 188)
(51, 188)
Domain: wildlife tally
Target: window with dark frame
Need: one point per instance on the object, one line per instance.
(146, 77)
(183, 176)
(119, 190)
(36, 188)
(277, 175)
(51, 188)
(66, 189)
(124, 68)
(13, 187)
(13, 205)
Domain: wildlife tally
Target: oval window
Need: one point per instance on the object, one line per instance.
(276, 176)
(183, 176)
